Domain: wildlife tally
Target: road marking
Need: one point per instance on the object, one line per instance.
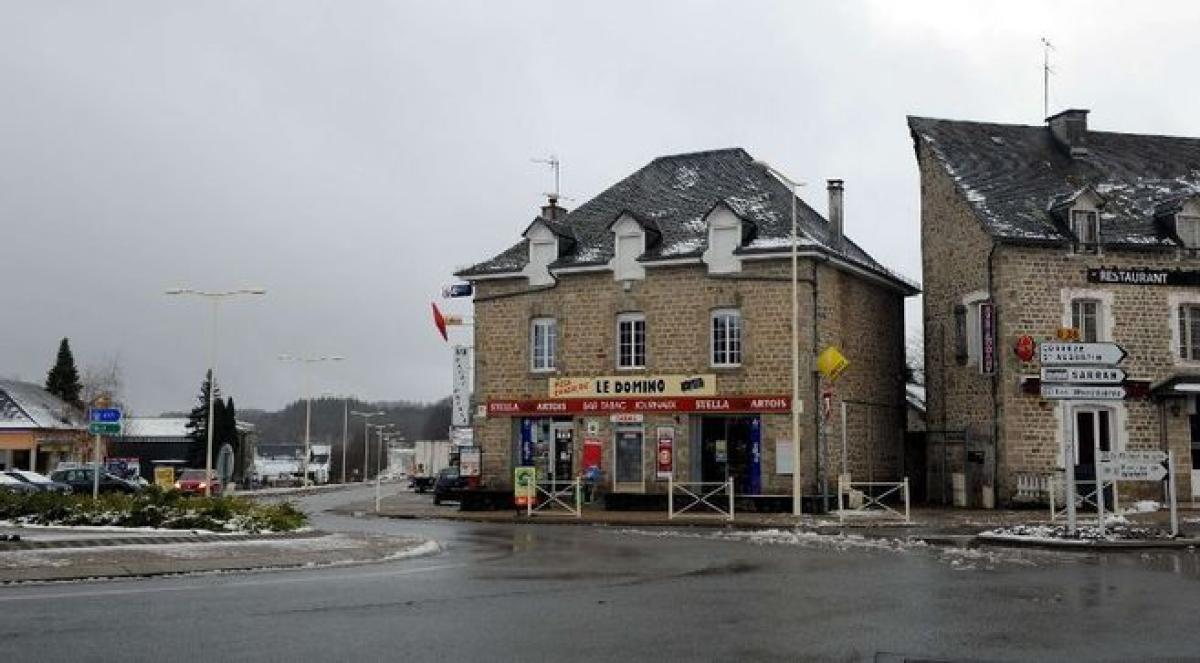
(239, 585)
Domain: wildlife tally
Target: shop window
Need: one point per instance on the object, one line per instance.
(1085, 317)
(631, 340)
(727, 337)
(543, 343)
(1086, 226)
(1189, 332)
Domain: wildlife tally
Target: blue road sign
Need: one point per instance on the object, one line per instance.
(105, 414)
(458, 290)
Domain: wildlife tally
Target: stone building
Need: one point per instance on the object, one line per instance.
(1035, 233)
(648, 333)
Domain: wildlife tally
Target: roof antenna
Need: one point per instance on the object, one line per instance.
(554, 163)
(1046, 71)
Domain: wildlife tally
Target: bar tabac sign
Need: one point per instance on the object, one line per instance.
(633, 385)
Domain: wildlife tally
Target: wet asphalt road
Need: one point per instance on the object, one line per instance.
(568, 593)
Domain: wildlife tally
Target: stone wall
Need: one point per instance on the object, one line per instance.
(862, 317)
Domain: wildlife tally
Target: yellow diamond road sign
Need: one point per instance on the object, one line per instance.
(831, 363)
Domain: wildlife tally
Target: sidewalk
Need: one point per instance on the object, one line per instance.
(121, 556)
(939, 525)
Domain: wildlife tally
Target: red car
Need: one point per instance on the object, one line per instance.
(192, 482)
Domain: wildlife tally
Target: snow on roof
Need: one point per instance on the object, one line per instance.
(156, 427)
(26, 405)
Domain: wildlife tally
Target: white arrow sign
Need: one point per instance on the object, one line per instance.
(1083, 392)
(1101, 375)
(1081, 354)
(1144, 457)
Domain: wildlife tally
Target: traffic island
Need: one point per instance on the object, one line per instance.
(1085, 537)
(73, 560)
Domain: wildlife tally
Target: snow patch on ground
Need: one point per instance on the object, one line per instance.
(1118, 531)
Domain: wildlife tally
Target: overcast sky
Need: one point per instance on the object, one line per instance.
(348, 156)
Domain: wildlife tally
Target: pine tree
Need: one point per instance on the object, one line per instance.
(198, 422)
(63, 379)
(226, 430)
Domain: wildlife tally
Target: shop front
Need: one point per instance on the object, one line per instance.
(635, 445)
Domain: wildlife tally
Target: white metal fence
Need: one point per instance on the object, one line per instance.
(866, 498)
(700, 498)
(557, 497)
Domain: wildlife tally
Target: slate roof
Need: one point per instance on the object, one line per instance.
(1015, 175)
(672, 195)
(24, 405)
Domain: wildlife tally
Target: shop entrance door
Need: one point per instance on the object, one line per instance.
(1093, 431)
(629, 460)
(562, 450)
(727, 450)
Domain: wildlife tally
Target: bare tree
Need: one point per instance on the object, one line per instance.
(914, 351)
(105, 378)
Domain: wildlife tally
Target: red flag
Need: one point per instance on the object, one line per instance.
(439, 321)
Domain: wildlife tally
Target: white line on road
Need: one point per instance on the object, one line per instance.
(308, 576)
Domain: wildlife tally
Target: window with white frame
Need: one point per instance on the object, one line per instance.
(1187, 226)
(1189, 332)
(543, 343)
(1085, 317)
(631, 340)
(727, 337)
(1086, 226)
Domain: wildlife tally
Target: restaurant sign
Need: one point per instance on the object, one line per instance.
(590, 406)
(625, 386)
(1143, 276)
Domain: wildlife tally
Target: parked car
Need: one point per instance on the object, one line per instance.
(11, 485)
(449, 485)
(38, 481)
(81, 480)
(192, 482)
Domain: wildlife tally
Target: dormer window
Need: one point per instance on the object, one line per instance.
(543, 250)
(1085, 224)
(725, 234)
(1187, 227)
(629, 243)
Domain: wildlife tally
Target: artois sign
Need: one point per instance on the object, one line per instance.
(633, 386)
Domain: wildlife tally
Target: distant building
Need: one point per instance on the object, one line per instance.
(165, 441)
(37, 429)
(1030, 234)
(647, 334)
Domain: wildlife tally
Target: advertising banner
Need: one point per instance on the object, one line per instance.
(755, 404)
(470, 461)
(526, 442)
(753, 484)
(460, 395)
(524, 485)
(592, 454)
(619, 386)
(665, 458)
(164, 477)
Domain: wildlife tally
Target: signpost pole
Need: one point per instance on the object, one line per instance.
(1171, 493)
(96, 469)
(1069, 464)
(1099, 482)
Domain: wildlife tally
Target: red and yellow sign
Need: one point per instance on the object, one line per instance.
(1025, 347)
(626, 386)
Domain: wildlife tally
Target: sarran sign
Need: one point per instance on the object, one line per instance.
(633, 386)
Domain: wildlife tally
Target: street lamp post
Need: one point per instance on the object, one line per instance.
(307, 362)
(379, 462)
(215, 298)
(345, 432)
(366, 436)
(796, 482)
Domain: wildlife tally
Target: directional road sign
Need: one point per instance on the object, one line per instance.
(104, 414)
(1083, 392)
(104, 428)
(1086, 374)
(458, 290)
(1132, 465)
(1081, 354)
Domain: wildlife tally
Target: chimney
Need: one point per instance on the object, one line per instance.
(835, 211)
(1070, 130)
(551, 211)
